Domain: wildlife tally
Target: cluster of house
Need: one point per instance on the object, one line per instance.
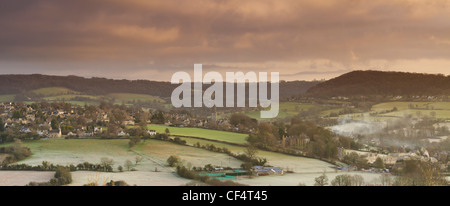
(393, 159)
(26, 120)
(182, 120)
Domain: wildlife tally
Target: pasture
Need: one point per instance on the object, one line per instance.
(52, 91)
(295, 179)
(138, 178)
(7, 97)
(439, 110)
(224, 136)
(197, 157)
(294, 163)
(128, 97)
(22, 178)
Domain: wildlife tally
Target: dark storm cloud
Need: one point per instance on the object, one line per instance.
(127, 38)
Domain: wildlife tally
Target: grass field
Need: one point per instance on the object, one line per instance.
(230, 137)
(128, 97)
(7, 97)
(138, 178)
(155, 153)
(52, 91)
(69, 97)
(75, 151)
(440, 109)
(297, 164)
(162, 150)
(22, 178)
(307, 179)
(286, 109)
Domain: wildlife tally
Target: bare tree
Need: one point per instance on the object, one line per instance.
(322, 180)
(386, 180)
(357, 180)
(432, 175)
(106, 162)
(251, 151)
(138, 159)
(128, 164)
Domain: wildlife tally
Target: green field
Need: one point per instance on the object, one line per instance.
(128, 97)
(286, 109)
(162, 150)
(224, 136)
(419, 109)
(7, 97)
(61, 94)
(66, 97)
(75, 151)
(52, 91)
(62, 151)
(440, 110)
(296, 164)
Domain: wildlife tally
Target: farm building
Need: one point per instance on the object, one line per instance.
(263, 171)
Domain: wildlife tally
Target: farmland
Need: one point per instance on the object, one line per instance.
(286, 109)
(7, 98)
(61, 94)
(52, 91)
(21, 178)
(128, 97)
(306, 179)
(293, 163)
(162, 150)
(393, 110)
(155, 152)
(139, 178)
(65, 152)
(223, 136)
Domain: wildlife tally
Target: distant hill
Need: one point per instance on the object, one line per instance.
(369, 83)
(40, 84)
(15, 84)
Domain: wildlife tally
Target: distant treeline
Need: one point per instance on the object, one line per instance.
(19, 84)
(370, 83)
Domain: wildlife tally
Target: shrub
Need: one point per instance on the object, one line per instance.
(173, 160)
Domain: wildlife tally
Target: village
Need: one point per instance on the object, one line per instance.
(56, 120)
(109, 121)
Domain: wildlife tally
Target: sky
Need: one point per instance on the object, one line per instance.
(153, 39)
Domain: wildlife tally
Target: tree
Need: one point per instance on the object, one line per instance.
(342, 180)
(138, 159)
(133, 141)
(167, 131)
(385, 180)
(2, 126)
(251, 151)
(54, 124)
(378, 163)
(431, 174)
(120, 168)
(128, 164)
(357, 180)
(173, 160)
(62, 176)
(322, 180)
(106, 163)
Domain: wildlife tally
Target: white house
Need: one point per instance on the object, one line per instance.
(151, 132)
